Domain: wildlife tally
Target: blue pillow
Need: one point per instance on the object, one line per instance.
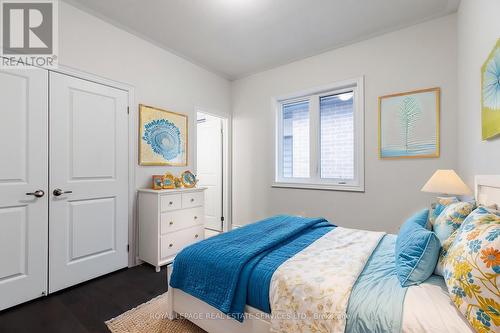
(417, 250)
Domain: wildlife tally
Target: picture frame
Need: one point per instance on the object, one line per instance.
(490, 94)
(409, 124)
(163, 137)
(157, 182)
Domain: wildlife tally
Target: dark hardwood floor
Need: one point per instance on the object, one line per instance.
(85, 308)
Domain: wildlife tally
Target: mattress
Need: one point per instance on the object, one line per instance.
(428, 308)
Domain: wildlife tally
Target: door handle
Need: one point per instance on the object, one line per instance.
(37, 193)
(57, 192)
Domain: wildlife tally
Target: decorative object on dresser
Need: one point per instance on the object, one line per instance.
(188, 179)
(157, 183)
(163, 137)
(490, 94)
(177, 182)
(168, 181)
(169, 220)
(409, 124)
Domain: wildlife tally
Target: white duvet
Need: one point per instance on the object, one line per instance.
(310, 291)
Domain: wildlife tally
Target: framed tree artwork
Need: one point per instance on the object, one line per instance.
(163, 137)
(490, 94)
(409, 124)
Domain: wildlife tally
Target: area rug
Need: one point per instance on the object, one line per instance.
(150, 317)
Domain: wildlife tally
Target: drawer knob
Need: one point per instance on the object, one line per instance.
(196, 217)
(171, 223)
(170, 245)
(192, 199)
(170, 203)
(196, 236)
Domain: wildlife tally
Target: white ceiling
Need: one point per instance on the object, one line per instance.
(238, 37)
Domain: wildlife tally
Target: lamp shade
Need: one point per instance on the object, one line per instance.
(446, 182)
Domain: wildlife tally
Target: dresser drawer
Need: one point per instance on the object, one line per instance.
(171, 244)
(170, 202)
(192, 199)
(179, 219)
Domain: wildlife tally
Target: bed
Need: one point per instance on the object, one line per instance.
(423, 308)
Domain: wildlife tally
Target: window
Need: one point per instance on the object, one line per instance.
(296, 140)
(319, 142)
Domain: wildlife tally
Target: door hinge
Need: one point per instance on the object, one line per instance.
(222, 218)
(128, 248)
(128, 110)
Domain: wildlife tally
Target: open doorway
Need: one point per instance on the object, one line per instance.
(211, 169)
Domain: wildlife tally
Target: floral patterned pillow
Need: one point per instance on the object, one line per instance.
(443, 253)
(451, 218)
(438, 207)
(472, 269)
(446, 245)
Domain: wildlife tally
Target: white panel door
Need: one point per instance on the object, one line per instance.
(209, 169)
(88, 204)
(23, 169)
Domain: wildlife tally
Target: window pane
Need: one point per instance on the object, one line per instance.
(337, 136)
(296, 140)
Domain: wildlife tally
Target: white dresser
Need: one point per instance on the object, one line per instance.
(169, 220)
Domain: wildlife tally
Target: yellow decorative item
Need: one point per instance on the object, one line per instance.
(177, 182)
(472, 269)
(157, 182)
(168, 181)
(490, 94)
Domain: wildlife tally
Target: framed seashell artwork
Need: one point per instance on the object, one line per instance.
(163, 137)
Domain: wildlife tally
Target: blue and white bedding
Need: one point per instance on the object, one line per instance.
(249, 264)
(260, 279)
(310, 291)
(217, 270)
(377, 294)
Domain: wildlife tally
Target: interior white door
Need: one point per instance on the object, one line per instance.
(88, 223)
(23, 169)
(209, 169)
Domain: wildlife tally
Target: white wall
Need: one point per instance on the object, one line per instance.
(160, 78)
(421, 56)
(478, 32)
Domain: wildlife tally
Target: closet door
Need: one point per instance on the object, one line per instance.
(23, 185)
(88, 224)
(209, 169)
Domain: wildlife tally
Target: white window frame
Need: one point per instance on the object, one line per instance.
(313, 96)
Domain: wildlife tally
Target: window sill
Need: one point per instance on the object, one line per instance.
(324, 187)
